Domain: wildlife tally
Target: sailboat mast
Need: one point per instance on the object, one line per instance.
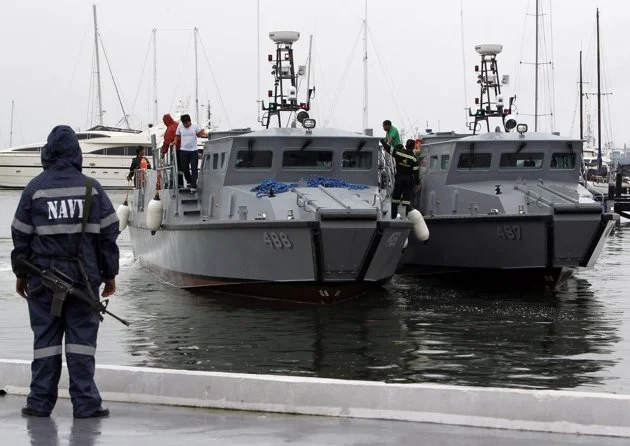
(11, 128)
(536, 75)
(155, 91)
(599, 103)
(365, 69)
(98, 70)
(461, 5)
(258, 95)
(581, 101)
(196, 81)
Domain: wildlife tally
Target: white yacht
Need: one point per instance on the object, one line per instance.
(107, 155)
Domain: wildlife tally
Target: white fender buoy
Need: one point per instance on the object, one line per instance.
(420, 228)
(123, 213)
(154, 214)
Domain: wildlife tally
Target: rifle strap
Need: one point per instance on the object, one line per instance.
(87, 205)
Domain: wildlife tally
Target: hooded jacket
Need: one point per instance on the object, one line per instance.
(169, 134)
(48, 221)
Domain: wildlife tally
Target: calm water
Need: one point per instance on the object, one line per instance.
(409, 331)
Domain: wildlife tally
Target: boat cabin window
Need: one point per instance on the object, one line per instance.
(474, 160)
(215, 161)
(81, 136)
(312, 159)
(563, 161)
(521, 160)
(205, 165)
(445, 161)
(254, 159)
(122, 151)
(433, 163)
(356, 160)
(222, 160)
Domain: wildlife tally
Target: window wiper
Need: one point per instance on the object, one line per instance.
(306, 144)
(361, 145)
(250, 152)
(521, 146)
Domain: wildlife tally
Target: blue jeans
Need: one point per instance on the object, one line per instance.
(190, 162)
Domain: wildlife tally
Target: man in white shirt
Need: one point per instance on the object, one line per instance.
(186, 135)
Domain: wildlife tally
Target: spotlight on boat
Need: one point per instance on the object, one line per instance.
(510, 124)
(301, 116)
(309, 123)
(521, 128)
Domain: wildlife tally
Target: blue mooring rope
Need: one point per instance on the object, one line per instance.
(272, 186)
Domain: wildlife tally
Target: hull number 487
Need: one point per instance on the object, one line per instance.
(509, 232)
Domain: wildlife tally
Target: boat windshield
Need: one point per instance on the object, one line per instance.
(521, 160)
(563, 161)
(357, 160)
(473, 160)
(254, 159)
(311, 159)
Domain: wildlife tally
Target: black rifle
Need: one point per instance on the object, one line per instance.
(62, 286)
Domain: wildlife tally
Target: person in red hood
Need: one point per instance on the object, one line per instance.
(169, 139)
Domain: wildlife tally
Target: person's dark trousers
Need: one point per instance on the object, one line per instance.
(403, 194)
(80, 326)
(190, 161)
(180, 172)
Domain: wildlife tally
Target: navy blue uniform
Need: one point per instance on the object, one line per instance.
(47, 228)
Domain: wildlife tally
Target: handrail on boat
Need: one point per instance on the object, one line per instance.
(559, 194)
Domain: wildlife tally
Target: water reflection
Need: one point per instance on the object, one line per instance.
(408, 332)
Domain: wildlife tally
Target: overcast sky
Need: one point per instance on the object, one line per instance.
(416, 72)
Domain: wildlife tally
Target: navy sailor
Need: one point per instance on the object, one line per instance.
(49, 228)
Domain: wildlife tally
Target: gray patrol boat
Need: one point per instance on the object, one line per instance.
(293, 213)
(507, 202)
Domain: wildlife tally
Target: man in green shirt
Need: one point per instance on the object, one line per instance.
(392, 137)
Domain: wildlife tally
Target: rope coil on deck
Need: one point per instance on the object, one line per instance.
(272, 186)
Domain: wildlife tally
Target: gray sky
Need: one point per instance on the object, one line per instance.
(416, 72)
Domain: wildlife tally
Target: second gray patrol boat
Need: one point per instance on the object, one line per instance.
(508, 203)
(281, 213)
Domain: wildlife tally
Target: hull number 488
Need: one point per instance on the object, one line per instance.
(277, 240)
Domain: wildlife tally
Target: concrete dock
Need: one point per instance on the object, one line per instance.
(272, 409)
(143, 424)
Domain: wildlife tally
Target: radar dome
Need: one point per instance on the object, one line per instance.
(284, 36)
(489, 49)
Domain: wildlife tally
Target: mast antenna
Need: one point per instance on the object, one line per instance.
(283, 98)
